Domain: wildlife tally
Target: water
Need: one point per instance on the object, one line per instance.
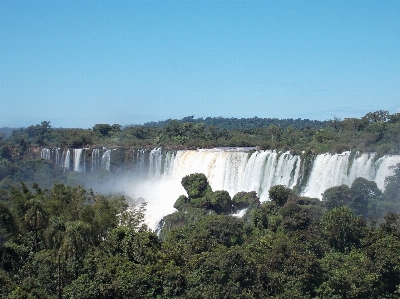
(45, 154)
(106, 160)
(77, 159)
(233, 171)
(258, 171)
(157, 174)
(331, 170)
(65, 159)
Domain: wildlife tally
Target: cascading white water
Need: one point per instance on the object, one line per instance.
(84, 159)
(239, 171)
(157, 174)
(331, 170)
(77, 159)
(236, 171)
(258, 171)
(155, 163)
(57, 161)
(168, 163)
(105, 160)
(266, 169)
(66, 160)
(45, 154)
(222, 168)
(384, 169)
(51, 154)
(95, 159)
(141, 163)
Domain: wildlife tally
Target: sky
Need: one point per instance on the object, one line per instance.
(81, 63)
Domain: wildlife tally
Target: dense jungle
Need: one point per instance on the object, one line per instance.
(60, 238)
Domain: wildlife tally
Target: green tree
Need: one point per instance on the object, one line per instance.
(39, 133)
(267, 216)
(138, 244)
(207, 233)
(8, 225)
(181, 202)
(348, 276)
(243, 200)
(392, 185)
(336, 196)
(222, 273)
(196, 185)
(36, 219)
(106, 130)
(296, 216)
(279, 194)
(221, 201)
(364, 197)
(342, 229)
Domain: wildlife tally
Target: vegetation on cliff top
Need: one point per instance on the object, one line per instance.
(375, 132)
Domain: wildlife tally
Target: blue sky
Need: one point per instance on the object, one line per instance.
(78, 63)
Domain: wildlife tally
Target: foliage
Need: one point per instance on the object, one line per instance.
(196, 185)
(298, 214)
(243, 200)
(200, 195)
(67, 242)
(63, 241)
(181, 202)
(374, 132)
(336, 196)
(392, 185)
(342, 229)
(364, 197)
(279, 194)
(221, 201)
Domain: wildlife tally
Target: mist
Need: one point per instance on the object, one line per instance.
(160, 195)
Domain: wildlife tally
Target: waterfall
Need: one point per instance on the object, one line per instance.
(236, 171)
(168, 163)
(155, 163)
(84, 159)
(331, 170)
(57, 161)
(77, 159)
(95, 159)
(45, 154)
(65, 159)
(240, 171)
(51, 154)
(244, 169)
(157, 174)
(140, 166)
(383, 170)
(258, 171)
(105, 160)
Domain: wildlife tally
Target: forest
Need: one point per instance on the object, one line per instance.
(68, 242)
(374, 132)
(60, 239)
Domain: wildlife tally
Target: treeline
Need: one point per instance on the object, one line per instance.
(67, 242)
(243, 123)
(375, 132)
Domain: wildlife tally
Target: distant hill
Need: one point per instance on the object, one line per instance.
(242, 123)
(7, 131)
